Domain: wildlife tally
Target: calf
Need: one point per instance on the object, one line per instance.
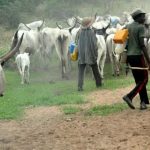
(23, 64)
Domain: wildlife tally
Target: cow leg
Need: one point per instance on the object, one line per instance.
(23, 75)
(112, 64)
(63, 69)
(116, 67)
(69, 62)
(111, 57)
(22, 78)
(101, 65)
(28, 74)
(98, 63)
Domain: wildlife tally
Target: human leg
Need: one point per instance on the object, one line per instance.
(140, 77)
(81, 68)
(96, 74)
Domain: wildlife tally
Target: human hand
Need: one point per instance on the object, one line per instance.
(149, 66)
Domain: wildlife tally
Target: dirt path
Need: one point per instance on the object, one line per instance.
(46, 128)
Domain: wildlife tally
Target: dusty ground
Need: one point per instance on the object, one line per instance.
(46, 128)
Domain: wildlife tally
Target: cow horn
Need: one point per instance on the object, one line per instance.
(73, 23)
(27, 27)
(59, 26)
(11, 53)
(79, 19)
(15, 40)
(70, 26)
(95, 16)
(42, 23)
(39, 28)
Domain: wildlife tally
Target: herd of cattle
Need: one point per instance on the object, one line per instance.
(40, 39)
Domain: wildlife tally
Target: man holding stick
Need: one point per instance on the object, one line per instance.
(136, 51)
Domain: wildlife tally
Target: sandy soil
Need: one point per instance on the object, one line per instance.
(47, 128)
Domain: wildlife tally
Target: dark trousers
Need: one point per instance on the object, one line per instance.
(140, 77)
(81, 69)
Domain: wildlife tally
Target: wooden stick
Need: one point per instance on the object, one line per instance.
(137, 68)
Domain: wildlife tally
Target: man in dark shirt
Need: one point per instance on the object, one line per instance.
(136, 51)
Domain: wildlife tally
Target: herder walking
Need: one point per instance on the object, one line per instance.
(136, 51)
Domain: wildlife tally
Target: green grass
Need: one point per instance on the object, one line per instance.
(18, 96)
(106, 109)
(41, 92)
(68, 110)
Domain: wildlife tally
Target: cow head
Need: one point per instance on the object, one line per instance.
(71, 22)
(36, 25)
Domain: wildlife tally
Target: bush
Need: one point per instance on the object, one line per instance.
(9, 16)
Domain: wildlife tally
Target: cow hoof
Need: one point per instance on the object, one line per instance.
(1, 95)
(65, 77)
(51, 82)
(26, 82)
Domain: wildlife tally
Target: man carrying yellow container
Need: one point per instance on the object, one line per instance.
(136, 51)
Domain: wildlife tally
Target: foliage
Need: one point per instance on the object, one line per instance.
(12, 12)
(5, 2)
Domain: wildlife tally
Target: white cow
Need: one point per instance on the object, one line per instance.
(49, 36)
(102, 51)
(114, 58)
(59, 39)
(147, 32)
(5, 58)
(32, 36)
(126, 18)
(32, 26)
(23, 64)
(32, 41)
(114, 50)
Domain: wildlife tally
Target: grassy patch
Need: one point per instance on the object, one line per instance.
(42, 92)
(106, 109)
(71, 110)
(39, 93)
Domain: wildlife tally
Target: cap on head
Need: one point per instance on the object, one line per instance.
(87, 22)
(136, 13)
